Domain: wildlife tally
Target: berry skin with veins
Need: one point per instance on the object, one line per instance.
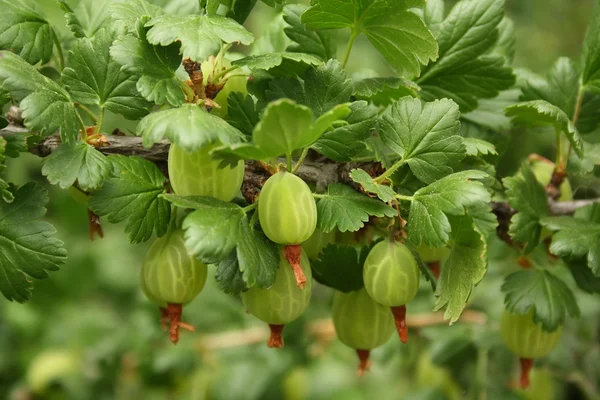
(527, 340)
(195, 173)
(288, 215)
(172, 277)
(361, 323)
(391, 278)
(281, 303)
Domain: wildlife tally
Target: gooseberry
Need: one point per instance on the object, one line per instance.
(391, 278)
(173, 277)
(281, 303)
(195, 173)
(288, 216)
(361, 323)
(527, 339)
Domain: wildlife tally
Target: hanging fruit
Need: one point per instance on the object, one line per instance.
(281, 303)
(361, 323)
(288, 216)
(172, 277)
(391, 278)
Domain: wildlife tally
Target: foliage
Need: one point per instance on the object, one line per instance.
(407, 119)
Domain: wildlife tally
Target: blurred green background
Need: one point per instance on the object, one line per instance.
(89, 333)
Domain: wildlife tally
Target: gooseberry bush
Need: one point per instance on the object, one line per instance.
(266, 157)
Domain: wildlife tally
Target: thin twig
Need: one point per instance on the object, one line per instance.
(318, 172)
(323, 330)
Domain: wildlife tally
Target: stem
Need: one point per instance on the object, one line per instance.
(576, 115)
(83, 131)
(225, 72)
(289, 162)
(353, 37)
(189, 93)
(250, 207)
(89, 112)
(559, 149)
(61, 56)
(300, 160)
(403, 197)
(389, 171)
(319, 196)
(98, 129)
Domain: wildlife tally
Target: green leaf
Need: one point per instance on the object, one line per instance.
(484, 219)
(360, 176)
(242, 113)
(340, 267)
(490, 112)
(463, 72)
(5, 194)
(194, 129)
(285, 63)
(25, 32)
(452, 195)
(480, 78)
(29, 248)
(48, 111)
(542, 113)
(155, 66)
(229, 277)
(88, 16)
(73, 22)
(132, 195)
(384, 91)
(427, 137)
(77, 162)
(507, 40)
(258, 257)
(239, 10)
(211, 232)
(464, 268)
(346, 141)
(433, 14)
(128, 13)
(590, 58)
(284, 127)
(549, 297)
(94, 78)
(526, 195)
(319, 44)
(48, 108)
(560, 87)
(344, 209)
(200, 35)
(577, 236)
(584, 277)
(397, 33)
(479, 147)
(321, 88)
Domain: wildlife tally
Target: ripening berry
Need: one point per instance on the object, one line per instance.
(527, 340)
(281, 303)
(173, 277)
(317, 242)
(288, 216)
(391, 278)
(195, 173)
(287, 209)
(361, 323)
